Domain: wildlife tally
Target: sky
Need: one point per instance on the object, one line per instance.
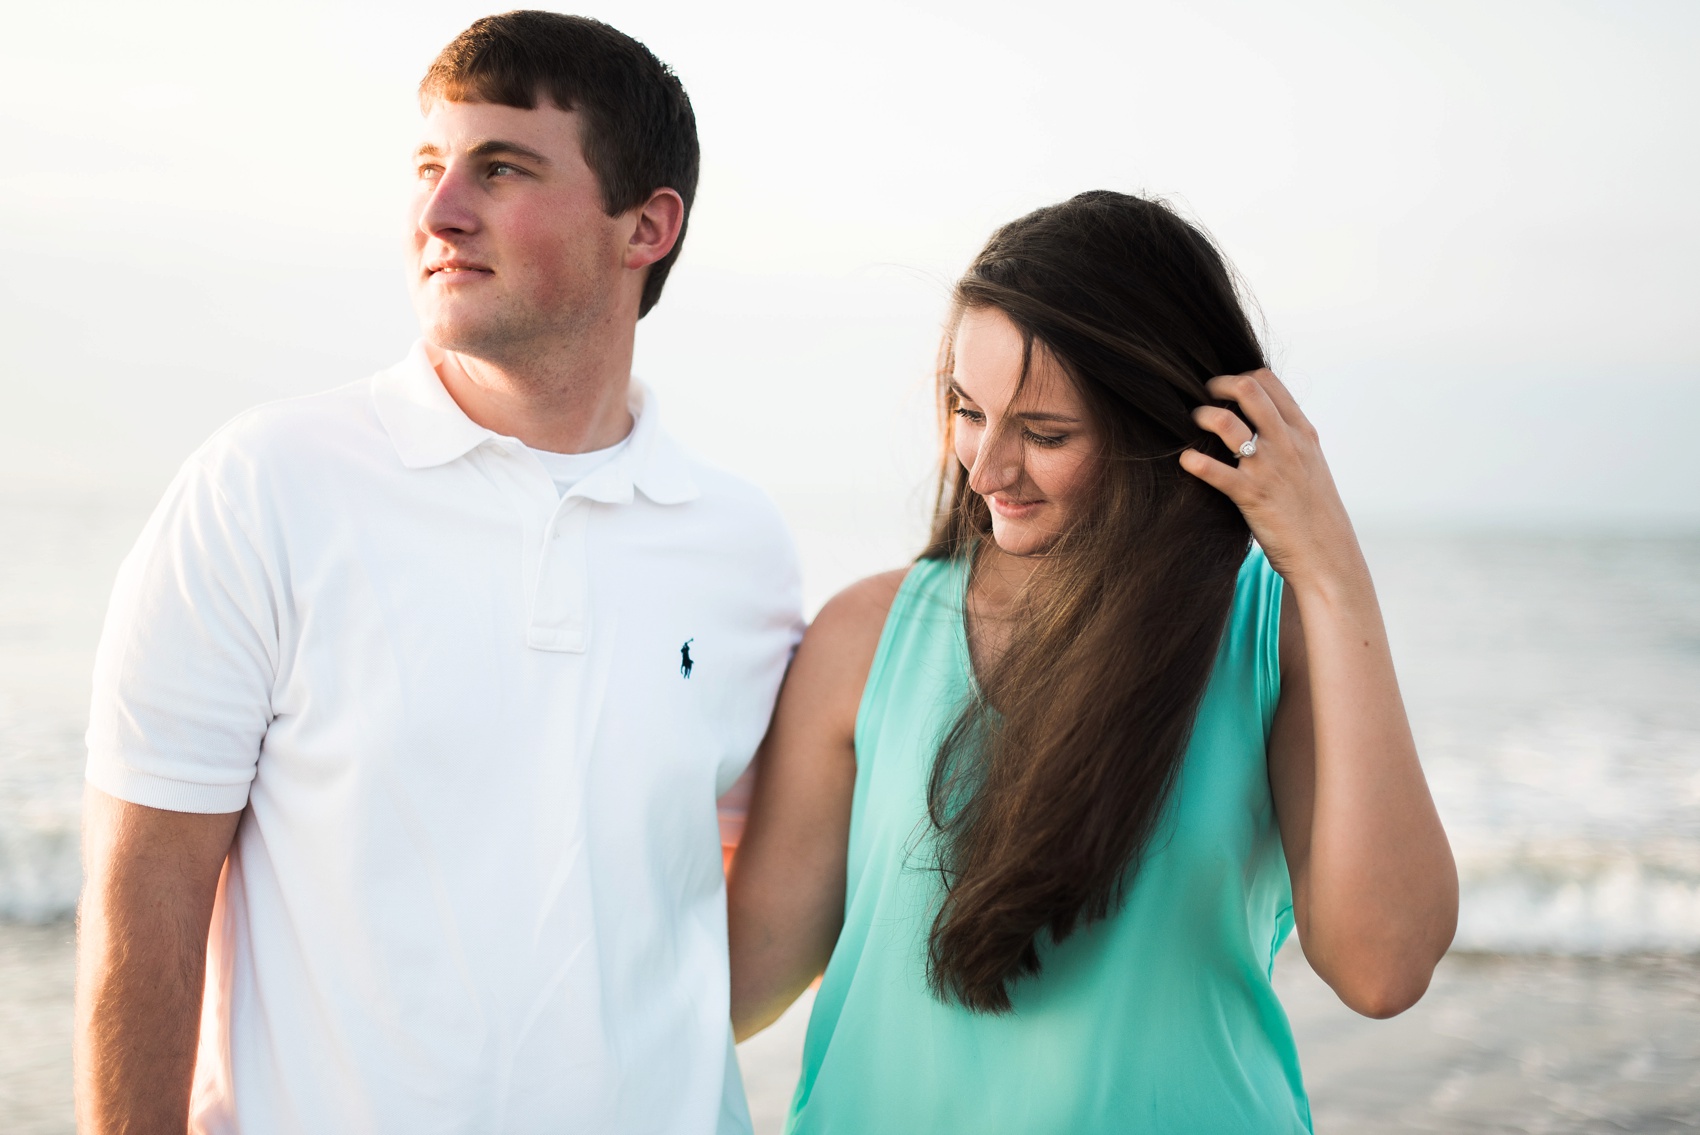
(1469, 227)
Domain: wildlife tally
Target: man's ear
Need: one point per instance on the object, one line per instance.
(659, 220)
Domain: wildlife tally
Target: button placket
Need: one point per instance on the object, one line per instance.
(560, 603)
(526, 486)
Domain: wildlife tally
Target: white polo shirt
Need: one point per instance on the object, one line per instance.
(477, 886)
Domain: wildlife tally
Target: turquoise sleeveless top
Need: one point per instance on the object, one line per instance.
(1160, 1018)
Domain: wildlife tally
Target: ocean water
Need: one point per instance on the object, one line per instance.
(1553, 682)
(1554, 687)
(58, 554)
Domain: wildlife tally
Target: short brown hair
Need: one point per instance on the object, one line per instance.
(640, 133)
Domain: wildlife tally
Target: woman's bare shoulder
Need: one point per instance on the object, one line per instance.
(865, 602)
(838, 648)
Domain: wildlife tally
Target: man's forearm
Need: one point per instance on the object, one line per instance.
(151, 878)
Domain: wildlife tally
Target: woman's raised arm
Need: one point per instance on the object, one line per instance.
(1375, 890)
(785, 891)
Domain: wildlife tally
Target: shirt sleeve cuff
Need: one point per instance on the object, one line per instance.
(151, 791)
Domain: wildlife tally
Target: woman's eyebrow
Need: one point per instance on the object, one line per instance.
(1029, 416)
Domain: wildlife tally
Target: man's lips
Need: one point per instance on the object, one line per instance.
(456, 269)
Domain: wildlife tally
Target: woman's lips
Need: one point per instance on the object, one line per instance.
(1013, 509)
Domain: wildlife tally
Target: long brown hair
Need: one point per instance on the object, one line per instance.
(1052, 780)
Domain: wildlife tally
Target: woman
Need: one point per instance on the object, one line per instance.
(1045, 806)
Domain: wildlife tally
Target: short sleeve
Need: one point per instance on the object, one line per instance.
(184, 672)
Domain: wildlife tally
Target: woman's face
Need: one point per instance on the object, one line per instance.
(1032, 455)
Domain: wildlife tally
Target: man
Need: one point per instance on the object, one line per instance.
(392, 751)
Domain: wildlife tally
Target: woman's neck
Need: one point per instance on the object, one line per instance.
(996, 592)
(999, 580)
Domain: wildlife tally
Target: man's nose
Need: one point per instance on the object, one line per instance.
(997, 465)
(450, 207)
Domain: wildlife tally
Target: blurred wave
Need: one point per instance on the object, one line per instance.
(1577, 899)
(1554, 688)
(40, 872)
(58, 554)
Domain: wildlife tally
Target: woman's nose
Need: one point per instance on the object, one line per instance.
(997, 465)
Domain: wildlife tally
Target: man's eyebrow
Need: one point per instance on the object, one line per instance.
(490, 147)
(1034, 416)
(493, 146)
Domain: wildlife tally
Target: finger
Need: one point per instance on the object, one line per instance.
(1220, 476)
(1253, 400)
(1225, 424)
(1281, 396)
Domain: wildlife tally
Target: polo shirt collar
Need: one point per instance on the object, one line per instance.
(425, 425)
(428, 428)
(651, 463)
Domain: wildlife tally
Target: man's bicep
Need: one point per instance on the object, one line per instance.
(126, 842)
(152, 882)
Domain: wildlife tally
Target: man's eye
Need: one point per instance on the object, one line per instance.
(430, 173)
(501, 168)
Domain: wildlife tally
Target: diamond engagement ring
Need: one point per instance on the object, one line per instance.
(1249, 448)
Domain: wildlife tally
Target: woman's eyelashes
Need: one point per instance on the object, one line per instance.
(978, 418)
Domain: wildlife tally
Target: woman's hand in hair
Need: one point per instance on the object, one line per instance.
(1375, 890)
(1285, 489)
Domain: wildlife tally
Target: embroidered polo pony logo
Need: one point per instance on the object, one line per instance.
(685, 662)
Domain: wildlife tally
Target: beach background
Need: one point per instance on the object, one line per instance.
(1470, 232)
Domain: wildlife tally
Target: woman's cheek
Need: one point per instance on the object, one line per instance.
(1069, 476)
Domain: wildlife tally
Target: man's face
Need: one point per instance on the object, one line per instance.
(511, 251)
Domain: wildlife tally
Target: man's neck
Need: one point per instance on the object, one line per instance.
(568, 402)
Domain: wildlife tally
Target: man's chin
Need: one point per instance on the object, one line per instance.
(478, 338)
(498, 332)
